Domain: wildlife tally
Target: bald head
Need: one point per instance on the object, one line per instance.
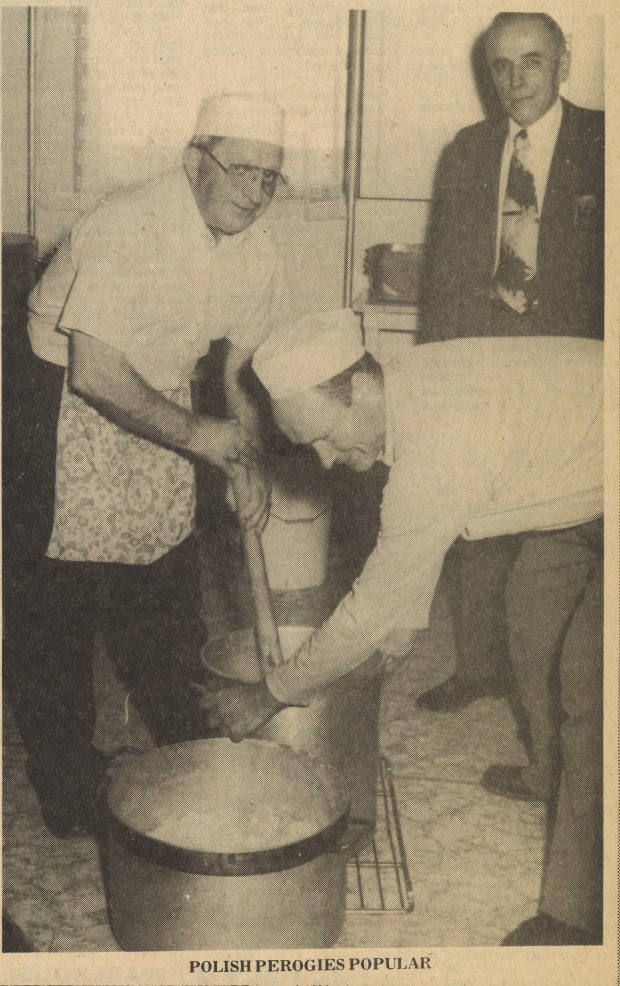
(553, 29)
(528, 59)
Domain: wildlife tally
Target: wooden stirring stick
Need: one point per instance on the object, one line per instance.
(268, 640)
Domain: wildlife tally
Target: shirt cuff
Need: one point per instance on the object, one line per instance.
(280, 693)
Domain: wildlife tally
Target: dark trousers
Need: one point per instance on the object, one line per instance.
(555, 616)
(149, 615)
(480, 575)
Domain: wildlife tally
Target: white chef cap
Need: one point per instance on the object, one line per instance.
(236, 115)
(307, 351)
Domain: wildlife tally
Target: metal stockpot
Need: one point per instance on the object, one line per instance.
(394, 272)
(226, 883)
(340, 726)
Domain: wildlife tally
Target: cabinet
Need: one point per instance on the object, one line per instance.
(389, 330)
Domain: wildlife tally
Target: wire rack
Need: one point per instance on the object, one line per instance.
(378, 880)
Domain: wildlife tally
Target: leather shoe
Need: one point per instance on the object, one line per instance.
(547, 930)
(456, 693)
(78, 809)
(507, 781)
(63, 822)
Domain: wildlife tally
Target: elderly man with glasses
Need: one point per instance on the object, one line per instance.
(127, 306)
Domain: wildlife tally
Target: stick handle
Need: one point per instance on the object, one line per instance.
(269, 650)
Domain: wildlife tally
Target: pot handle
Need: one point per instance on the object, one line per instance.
(357, 831)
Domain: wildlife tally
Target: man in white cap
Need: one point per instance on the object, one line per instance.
(482, 437)
(127, 306)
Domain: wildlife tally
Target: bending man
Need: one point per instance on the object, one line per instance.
(482, 437)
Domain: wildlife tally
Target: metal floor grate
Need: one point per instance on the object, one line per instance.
(378, 880)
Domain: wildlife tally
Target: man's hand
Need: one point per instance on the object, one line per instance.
(254, 500)
(238, 710)
(247, 415)
(222, 443)
(399, 643)
(238, 403)
(250, 496)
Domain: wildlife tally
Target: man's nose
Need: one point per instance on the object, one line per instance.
(254, 189)
(326, 454)
(516, 76)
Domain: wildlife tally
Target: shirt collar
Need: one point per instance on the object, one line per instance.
(545, 130)
(197, 227)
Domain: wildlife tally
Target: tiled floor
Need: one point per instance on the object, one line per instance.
(475, 859)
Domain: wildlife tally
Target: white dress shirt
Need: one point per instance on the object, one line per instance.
(542, 137)
(142, 273)
(485, 437)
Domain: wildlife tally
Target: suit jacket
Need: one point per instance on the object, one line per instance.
(460, 249)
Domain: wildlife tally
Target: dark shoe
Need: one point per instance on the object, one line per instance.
(507, 781)
(78, 816)
(71, 807)
(545, 930)
(456, 693)
(63, 822)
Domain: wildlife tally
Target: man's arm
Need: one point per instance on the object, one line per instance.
(239, 406)
(439, 249)
(102, 376)
(427, 502)
(395, 588)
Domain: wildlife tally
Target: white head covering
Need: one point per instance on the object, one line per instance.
(246, 117)
(308, 351)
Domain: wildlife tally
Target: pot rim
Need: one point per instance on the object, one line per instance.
(395, 247)
(260, 861)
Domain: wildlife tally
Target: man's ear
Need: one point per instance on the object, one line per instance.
(191, 161)
(362, 386)
(564, 67)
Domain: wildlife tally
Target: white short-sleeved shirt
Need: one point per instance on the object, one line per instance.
(143, 274)
(485, 437)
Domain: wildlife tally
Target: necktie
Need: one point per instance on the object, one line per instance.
(515, 280)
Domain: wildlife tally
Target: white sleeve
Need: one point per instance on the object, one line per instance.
(421, 517)
(45, 306)
(101, 302)
(269, 306)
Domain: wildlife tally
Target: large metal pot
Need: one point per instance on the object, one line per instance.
(200, 849)
(340, 726)
(394, 271)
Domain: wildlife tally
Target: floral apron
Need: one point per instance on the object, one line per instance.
(118, 498)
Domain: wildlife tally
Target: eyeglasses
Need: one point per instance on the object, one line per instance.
(242, 175)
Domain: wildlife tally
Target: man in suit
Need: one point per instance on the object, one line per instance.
(515, 247)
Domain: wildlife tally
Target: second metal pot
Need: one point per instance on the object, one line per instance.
(340, 726)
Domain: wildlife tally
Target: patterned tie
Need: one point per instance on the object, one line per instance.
(515, 280)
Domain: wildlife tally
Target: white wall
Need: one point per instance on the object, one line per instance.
(14, 120)
(421, 88)
(148, 67)
(312, 250)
